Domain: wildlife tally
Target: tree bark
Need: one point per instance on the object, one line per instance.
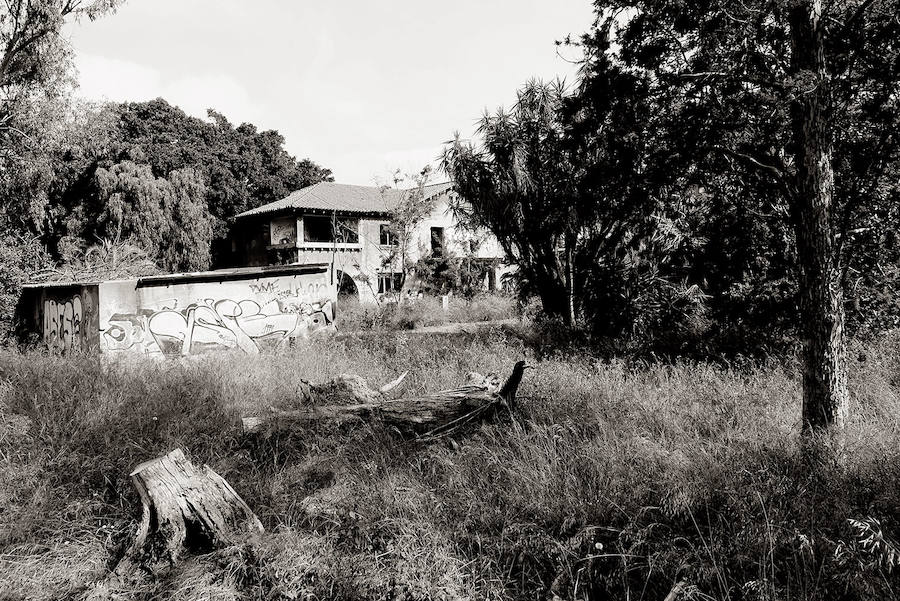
(420, 416)
(825, 396)
(186, 508)
(570, 282)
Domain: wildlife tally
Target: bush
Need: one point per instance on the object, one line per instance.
(20, 259)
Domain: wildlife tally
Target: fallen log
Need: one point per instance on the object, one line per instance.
(421, 416)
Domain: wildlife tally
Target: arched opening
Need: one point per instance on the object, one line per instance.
(346, 287)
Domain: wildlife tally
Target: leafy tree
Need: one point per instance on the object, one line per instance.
(408, 208)
(167, 218)
(21, 258)
(238, 168)
(35, 82)
(796, 98)
(518, 184)
(35, 57)
(562, 181)
(242, 167)
(35, 78)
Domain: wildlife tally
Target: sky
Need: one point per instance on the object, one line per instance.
(363, 87)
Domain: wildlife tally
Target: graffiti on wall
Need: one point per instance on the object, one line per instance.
(62, 323)
(249, 324)
(65, 321)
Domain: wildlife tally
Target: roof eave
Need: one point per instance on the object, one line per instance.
(296, 211)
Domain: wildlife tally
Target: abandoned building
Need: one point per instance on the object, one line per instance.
(348, 228)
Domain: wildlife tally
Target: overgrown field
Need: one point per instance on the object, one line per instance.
(427, 311)
(617, 482)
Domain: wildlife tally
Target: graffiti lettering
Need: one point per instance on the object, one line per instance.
(270, 287)
(216, 324)
(310, 292)
(63, 324)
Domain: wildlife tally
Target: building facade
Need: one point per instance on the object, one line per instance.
(348, 228)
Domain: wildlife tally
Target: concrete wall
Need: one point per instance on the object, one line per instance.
(456, 239)
(190, 313)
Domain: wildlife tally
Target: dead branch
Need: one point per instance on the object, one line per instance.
(421, 416)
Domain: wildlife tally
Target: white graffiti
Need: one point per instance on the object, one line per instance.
(63, 324)
(211, 325)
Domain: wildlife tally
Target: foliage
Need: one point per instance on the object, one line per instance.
(210, 168)
(98, 184)
(517, 185)
(20, 259)
(242, 167)
(167, 218)
(35, 78)
(670, 172)
(726, 93)
(567, 174)
(35, 59)
(408, 208)
(447, 273)
(617, 480)
(104, 261)
(35, 82)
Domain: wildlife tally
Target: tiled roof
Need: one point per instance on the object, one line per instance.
(328, 196)
(435, 189)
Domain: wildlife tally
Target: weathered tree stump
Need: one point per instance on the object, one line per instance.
(185, 508)
(422, 416)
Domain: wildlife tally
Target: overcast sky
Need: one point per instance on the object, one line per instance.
(359, 86)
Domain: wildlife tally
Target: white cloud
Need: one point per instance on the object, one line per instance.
(104, 78)
(221, 92)
(411, 160)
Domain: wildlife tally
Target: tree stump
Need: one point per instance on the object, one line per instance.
(185, 508)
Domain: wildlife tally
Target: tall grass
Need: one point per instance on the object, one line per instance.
(423, 312)
(615, 481)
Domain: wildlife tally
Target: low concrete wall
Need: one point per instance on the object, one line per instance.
(185, 314)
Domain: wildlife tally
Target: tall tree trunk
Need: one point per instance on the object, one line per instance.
(570, 282)
(825, 396)
(545, 272)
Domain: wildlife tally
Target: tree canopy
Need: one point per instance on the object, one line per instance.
(143, 180)
(189, 175)
(718, 170)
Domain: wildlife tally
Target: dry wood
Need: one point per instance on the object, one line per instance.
(428, 415)
(186, 508)
(676, 591)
